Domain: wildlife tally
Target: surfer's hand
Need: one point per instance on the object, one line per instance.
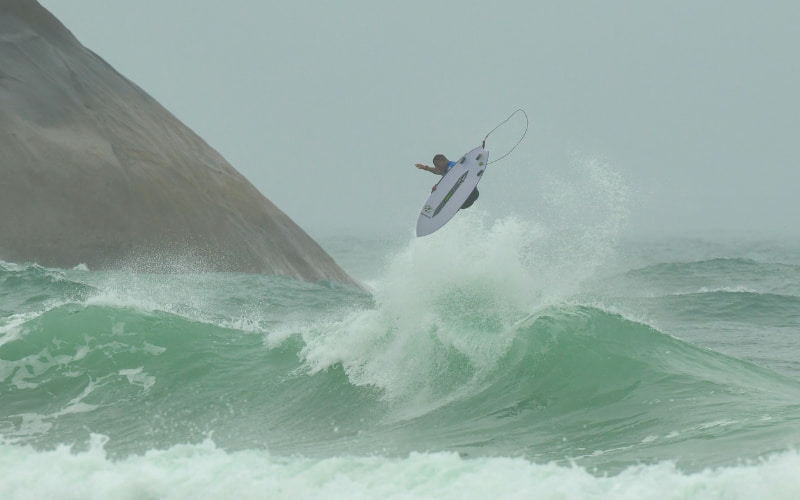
(421, 166)
(433, 188)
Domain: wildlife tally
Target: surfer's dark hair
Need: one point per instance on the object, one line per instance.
(439, 157)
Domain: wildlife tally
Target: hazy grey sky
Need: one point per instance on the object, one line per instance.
(326, 106)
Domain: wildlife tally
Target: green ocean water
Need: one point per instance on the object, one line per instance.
(523, 365)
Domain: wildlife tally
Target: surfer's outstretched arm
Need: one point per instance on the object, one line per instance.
(429, 169)
(435, 170)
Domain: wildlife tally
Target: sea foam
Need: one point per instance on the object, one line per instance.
(205, 471)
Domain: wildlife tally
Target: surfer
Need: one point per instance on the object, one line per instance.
(441, 165)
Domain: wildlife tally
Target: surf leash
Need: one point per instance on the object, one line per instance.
(520, 110)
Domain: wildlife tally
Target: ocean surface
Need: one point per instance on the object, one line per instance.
(497, 358)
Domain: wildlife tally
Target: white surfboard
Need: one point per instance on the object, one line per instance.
(452, 191)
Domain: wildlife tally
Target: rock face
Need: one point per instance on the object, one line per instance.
(95, 171)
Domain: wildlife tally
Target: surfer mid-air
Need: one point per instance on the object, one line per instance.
(458, 187)
(441, 165)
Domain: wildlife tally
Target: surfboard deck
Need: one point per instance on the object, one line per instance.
(452, 191)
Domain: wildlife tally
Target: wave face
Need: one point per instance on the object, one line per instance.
(542, 360)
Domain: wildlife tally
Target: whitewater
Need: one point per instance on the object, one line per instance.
(537, 355)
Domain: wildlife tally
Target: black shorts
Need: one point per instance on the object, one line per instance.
(472, 197)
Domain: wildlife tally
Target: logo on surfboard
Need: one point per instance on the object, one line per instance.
(450, 193)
